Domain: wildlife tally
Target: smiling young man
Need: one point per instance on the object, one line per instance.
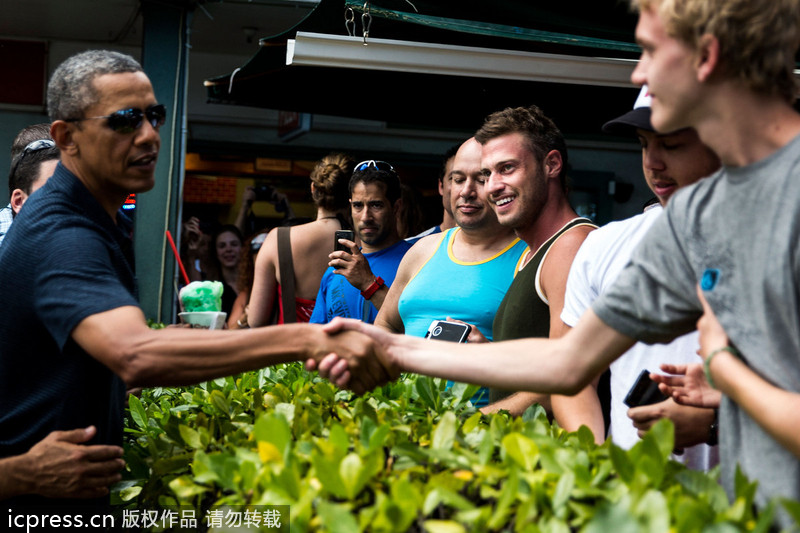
(72, 335)
(357, 282)
(524, 159)
(725, 68)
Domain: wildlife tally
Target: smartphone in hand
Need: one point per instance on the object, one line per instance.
(444, 330)
(644, 392)
(342, 234)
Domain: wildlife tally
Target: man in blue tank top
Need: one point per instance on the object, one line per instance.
(462, 273)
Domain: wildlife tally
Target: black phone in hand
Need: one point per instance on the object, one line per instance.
(644, 392)
(342, 234)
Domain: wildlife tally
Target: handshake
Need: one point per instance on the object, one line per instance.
(358, 356)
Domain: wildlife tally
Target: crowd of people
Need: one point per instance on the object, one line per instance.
(553, 303)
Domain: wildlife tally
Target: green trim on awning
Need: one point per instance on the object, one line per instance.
(492, 30)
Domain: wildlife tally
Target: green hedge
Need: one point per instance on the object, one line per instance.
(411, 456)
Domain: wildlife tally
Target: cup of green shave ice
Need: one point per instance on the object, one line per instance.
(201, 302)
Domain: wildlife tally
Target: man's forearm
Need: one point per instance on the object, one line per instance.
(179, 356)
(561, 366)
(13, 481)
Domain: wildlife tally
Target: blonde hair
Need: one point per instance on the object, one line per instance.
(758, 39)
(331, 178)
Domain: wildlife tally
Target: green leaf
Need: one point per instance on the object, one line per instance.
(350, 469)
(562, 493)
(425, 389)
(129, 493)
(613, 518)
(521, 450)
(337, 518)
(471, 423)
(662, 434)
(328, 472)
(793, 508)
(443, 526)
(138, 414)
(191, 437)
(185, 489)
(339, 438)
(219, 401)
(622, 463)
(445, 433)
(274, 428)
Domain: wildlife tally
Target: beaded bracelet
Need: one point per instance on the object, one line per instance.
(707, 362)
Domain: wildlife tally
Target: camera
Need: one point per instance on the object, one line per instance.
(264, 193)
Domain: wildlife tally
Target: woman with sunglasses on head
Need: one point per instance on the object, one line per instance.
(310, 245)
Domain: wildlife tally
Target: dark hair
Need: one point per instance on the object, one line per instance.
(330, 178)
(448, 155)
(541, 132)
(29, 134)
(25, 168)
(227, 228)
(389, 179)
(71, 90)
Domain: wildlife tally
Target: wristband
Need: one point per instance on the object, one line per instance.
(372, 289)
(707, 362)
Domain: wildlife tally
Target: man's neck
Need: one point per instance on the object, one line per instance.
(447, 222)
(386, 243)
(110, 203)
(744, 127)
(554, 216)
(473, 245)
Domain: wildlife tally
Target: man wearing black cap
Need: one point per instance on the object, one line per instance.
(669, 162)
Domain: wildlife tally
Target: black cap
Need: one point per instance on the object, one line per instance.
(637, 118)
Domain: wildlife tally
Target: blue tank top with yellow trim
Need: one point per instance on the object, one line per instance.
(471, 292)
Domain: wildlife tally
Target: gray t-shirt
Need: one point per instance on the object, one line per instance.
(739, 231)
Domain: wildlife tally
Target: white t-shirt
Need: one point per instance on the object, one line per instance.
(601, 257)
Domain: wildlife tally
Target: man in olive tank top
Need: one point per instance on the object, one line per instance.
(525, 155)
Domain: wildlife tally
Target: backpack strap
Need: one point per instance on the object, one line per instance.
(286, 268)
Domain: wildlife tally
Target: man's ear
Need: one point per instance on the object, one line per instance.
(553, 164)
(707, 58)
(62, 133)
(18, 198)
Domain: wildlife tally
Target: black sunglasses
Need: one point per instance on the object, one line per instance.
(380, 165)
(35, 146)
(130, 120)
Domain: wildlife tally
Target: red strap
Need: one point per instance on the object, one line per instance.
(372, 289)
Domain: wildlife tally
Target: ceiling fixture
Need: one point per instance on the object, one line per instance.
(324, 50)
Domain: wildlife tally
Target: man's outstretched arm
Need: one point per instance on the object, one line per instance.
(121, 340)
(564, 365)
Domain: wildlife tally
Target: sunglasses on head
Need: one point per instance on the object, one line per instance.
(35, 146)
(130, 120)
(380, 165)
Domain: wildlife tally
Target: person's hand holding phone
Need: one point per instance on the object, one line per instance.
(348, 261)
(475, 334)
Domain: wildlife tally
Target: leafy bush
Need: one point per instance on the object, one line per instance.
(411, 456)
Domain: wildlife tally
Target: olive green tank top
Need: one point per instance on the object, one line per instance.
(523, 313)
